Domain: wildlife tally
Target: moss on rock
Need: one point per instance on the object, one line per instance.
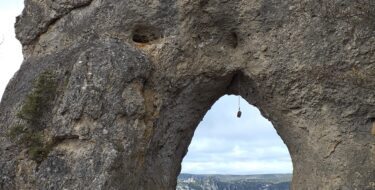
(38, 100)
(30, 135)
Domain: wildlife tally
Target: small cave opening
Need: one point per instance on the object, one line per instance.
(145, 34)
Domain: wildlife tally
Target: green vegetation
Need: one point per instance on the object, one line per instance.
(37, 101)
(33, 140)
(30, 134)
(16, 130)
(38, 149)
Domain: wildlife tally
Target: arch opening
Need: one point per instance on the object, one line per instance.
(189, 105)
(224, 145)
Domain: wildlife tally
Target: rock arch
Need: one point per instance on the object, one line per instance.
(119, 113)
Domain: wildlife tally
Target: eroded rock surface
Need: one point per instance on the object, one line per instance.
(110, 92)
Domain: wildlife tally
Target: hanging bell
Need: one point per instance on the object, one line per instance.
(239, 113)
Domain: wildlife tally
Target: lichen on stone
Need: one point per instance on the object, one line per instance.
(30, 133)
(37, 102)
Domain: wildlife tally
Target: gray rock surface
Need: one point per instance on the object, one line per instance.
(110, 92)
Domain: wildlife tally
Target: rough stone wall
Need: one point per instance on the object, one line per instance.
(110, 92)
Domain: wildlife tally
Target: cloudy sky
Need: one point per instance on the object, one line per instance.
(226, 144)
(222, 143)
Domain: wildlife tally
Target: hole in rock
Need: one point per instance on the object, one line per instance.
(245, 147)
(145, 34)
(233, 39)
(203, 3)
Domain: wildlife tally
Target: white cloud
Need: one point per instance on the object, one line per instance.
(237, 167)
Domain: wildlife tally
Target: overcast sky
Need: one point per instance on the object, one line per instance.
(222, 143)
(10, 48)
(225, 144)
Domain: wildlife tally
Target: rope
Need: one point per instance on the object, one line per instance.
(239, 94)
(239, 99)
(239, 103)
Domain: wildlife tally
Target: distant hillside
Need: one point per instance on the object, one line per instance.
(234, 182)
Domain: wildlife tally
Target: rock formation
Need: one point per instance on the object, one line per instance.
(110, 92)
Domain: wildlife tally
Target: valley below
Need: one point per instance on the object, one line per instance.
(234, 182)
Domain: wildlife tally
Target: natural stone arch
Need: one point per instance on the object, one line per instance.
(107, 112)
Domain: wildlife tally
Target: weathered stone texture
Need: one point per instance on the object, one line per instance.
(134, 78)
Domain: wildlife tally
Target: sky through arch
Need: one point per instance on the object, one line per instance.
(225, 144)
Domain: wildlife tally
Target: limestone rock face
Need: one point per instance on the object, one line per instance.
(110, 92)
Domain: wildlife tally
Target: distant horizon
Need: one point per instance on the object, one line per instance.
(240, 174)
